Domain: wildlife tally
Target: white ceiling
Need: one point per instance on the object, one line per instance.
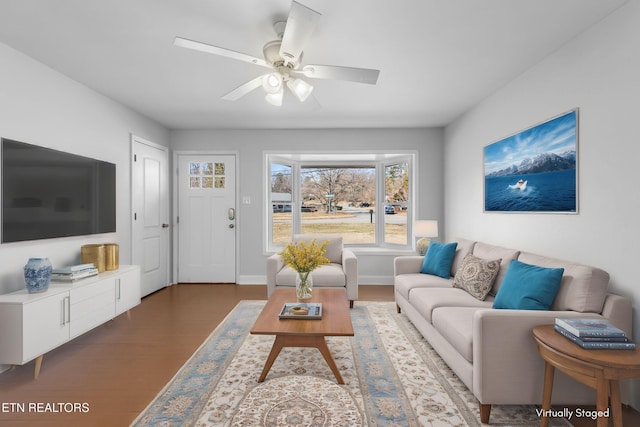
(437, 58)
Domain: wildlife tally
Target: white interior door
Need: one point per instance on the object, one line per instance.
(206, 218)
(151, 214)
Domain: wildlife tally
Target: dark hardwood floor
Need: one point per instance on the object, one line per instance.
(110, 374)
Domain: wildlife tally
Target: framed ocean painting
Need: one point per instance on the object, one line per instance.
(535, 170)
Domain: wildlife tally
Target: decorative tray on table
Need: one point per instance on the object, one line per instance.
(301, 310)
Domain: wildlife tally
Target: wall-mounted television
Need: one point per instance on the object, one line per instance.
(48, 193)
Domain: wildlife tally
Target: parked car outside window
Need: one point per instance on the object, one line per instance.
(281, 208)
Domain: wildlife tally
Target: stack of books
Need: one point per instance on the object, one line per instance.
(74, 272)
(593, 334)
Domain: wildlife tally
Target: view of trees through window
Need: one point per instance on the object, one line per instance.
(396, 183)
(345, 200)
(337, 200)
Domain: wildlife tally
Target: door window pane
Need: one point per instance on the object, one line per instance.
(201, 175)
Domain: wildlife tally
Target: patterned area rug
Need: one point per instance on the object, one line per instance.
(298, 400)
(392, 378)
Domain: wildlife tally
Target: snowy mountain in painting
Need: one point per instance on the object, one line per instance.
(545, 162)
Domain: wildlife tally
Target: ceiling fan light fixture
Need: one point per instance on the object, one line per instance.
(300, 88)
(272, 83)
(275, 99)
(283, 58)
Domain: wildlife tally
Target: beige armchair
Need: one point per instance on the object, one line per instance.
(342, 272)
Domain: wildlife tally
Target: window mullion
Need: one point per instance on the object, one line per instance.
(296, 197)
(379, 208)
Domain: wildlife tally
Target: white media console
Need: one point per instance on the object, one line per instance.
(33, 324)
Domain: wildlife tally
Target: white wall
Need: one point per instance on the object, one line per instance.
(251, 145)
(597, 72)
(41, 106)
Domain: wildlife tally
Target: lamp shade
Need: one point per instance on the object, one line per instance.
(300, 88)
(272, 83)
(425, 228)
(275, 98)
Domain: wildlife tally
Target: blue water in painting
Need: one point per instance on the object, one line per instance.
(545, 192)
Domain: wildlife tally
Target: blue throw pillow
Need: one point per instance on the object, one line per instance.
(528, 287)
(438, 259)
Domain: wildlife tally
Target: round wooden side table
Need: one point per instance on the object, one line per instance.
(599, 369)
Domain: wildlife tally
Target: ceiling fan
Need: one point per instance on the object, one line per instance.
(283, 57)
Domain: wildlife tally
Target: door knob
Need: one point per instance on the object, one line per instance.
(165, 225)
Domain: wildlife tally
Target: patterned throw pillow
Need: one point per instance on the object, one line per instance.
(476, 276)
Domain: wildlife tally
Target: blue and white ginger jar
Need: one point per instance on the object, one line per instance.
(37, 274)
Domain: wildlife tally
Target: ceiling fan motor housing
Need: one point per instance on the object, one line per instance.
(271, 52)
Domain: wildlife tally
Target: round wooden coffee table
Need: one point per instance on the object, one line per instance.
(599, 369)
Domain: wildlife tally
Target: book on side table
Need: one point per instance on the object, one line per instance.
(593, 334)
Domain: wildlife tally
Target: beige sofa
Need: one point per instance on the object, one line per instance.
(493, 350)
(342, 272)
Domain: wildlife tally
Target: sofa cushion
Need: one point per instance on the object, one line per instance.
(333, 248)
(455, 324)
(528, 287)
(582, 288)
(476, 276)
(439, 258)
(328, 275)
(464, 247)
(425, 300)
(486, 251)
(403, 283)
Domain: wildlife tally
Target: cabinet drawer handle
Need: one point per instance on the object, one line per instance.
(66, 311)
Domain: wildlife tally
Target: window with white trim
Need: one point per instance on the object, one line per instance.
(366, 198)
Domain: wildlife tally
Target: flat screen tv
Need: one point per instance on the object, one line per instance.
(48, 193)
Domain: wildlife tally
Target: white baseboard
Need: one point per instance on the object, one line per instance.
(251, 280)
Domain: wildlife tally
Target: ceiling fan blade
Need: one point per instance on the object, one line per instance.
(241, 91)
(300, 24)
(334, 72)
(204, 47)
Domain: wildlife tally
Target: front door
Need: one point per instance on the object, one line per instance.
(151, 214)
(206, 218)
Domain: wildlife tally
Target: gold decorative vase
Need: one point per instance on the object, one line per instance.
(112, 256)
(94, 254)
